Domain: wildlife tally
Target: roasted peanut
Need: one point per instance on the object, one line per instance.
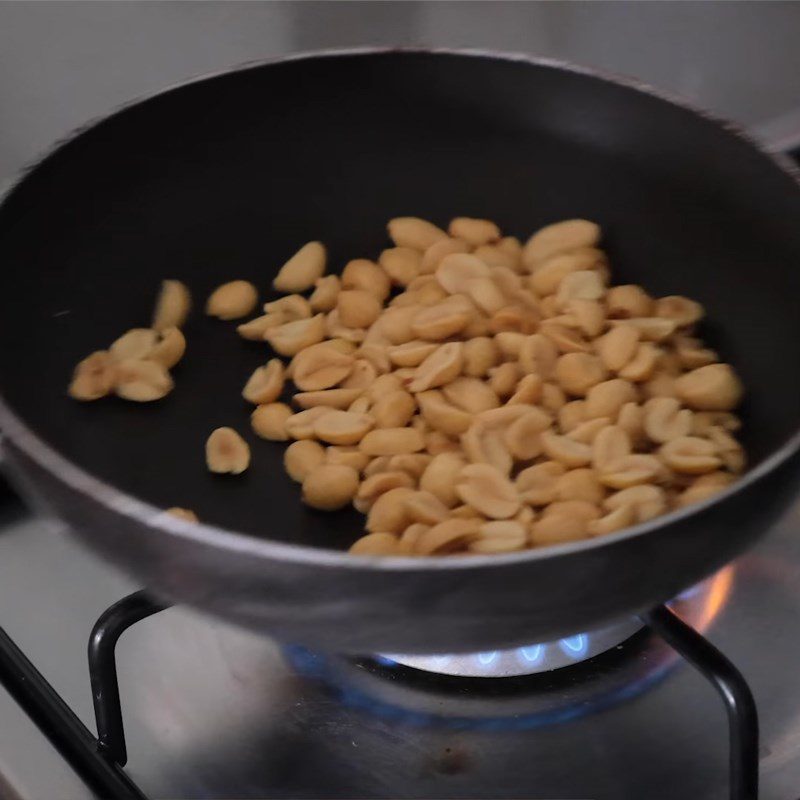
(456, 270)
(610, 444)
(232, 300)
(624, 302)
(392, 441)
(330, 486)
(320, 366)
(538, 485)
(691, 455)
(303, 269)
(358, 308)
(169, 348)
(136, 343)
(439, 477)
(664, 419)
(401, 264)
(647, 501)
(523, 436)
(301, 425)
(558, 529)
(565, 450)
(325, 294)
(349, 456)
(559, 238)
(712, 388)
(499, 536)
(360, 273)
(302, 457)
(342, 427)
(376, 544)
(93, 377)
(631, 470)
(680, 309)
(141, 381)
(393, 410)
(414, 232)
(292, 337)
(474, 231)
(439, 368)
(484, 444)
(227, 452)
(484, 488)
(255, 329)
(605, 399)
(433, 255)
(265, 384)
(186, 514)
(480, 355)
(269, 421)
(576, 373)
(172, 307)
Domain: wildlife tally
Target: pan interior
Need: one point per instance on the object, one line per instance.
(225, 178)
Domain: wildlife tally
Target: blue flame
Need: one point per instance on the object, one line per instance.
(315, 666)
(532, 654)
(488, 658)
(575, 646)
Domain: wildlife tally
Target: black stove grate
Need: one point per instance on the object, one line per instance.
(99, 761)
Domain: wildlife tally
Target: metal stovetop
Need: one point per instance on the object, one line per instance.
(215, 712)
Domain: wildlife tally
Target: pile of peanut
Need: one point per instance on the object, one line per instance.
(471, 394)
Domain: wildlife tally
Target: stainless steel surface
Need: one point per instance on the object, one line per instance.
(212, 711)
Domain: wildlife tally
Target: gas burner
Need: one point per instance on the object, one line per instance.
(540, 657)
(518, 689)
(696, 606)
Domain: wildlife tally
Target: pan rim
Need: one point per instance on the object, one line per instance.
(140, 511)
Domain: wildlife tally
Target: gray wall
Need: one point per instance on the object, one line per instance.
(64, 62)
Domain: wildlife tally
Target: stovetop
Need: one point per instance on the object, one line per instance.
(212, 711)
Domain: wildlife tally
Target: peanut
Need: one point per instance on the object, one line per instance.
(342, 427)
(265, 384)
(292, 337)
(414, 232)
(401, 264)
(358, 308)
(376, 544)
(712, 388)
(172, 307)
(303, 269)
(141, 381)
(325, 294)
(433, 256)
(320, 366)
(664, 419)
(360, 273)
(474, 232)
(302, 457)
(232, 300)
(392, 441)
(559, 238)
(393, 410)
(269, 421)
(227, 452)
(93, 377)
(135, 344)
(499, 536)
(691, 455)
(330, 486)
(169, 348)
(484, 488)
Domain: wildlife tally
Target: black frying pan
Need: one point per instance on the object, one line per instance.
(225, 177)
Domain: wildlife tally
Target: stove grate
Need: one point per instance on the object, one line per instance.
(99, 761)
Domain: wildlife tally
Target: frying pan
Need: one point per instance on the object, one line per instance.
(225, 177)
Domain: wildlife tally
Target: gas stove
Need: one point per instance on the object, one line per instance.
(212, 711)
